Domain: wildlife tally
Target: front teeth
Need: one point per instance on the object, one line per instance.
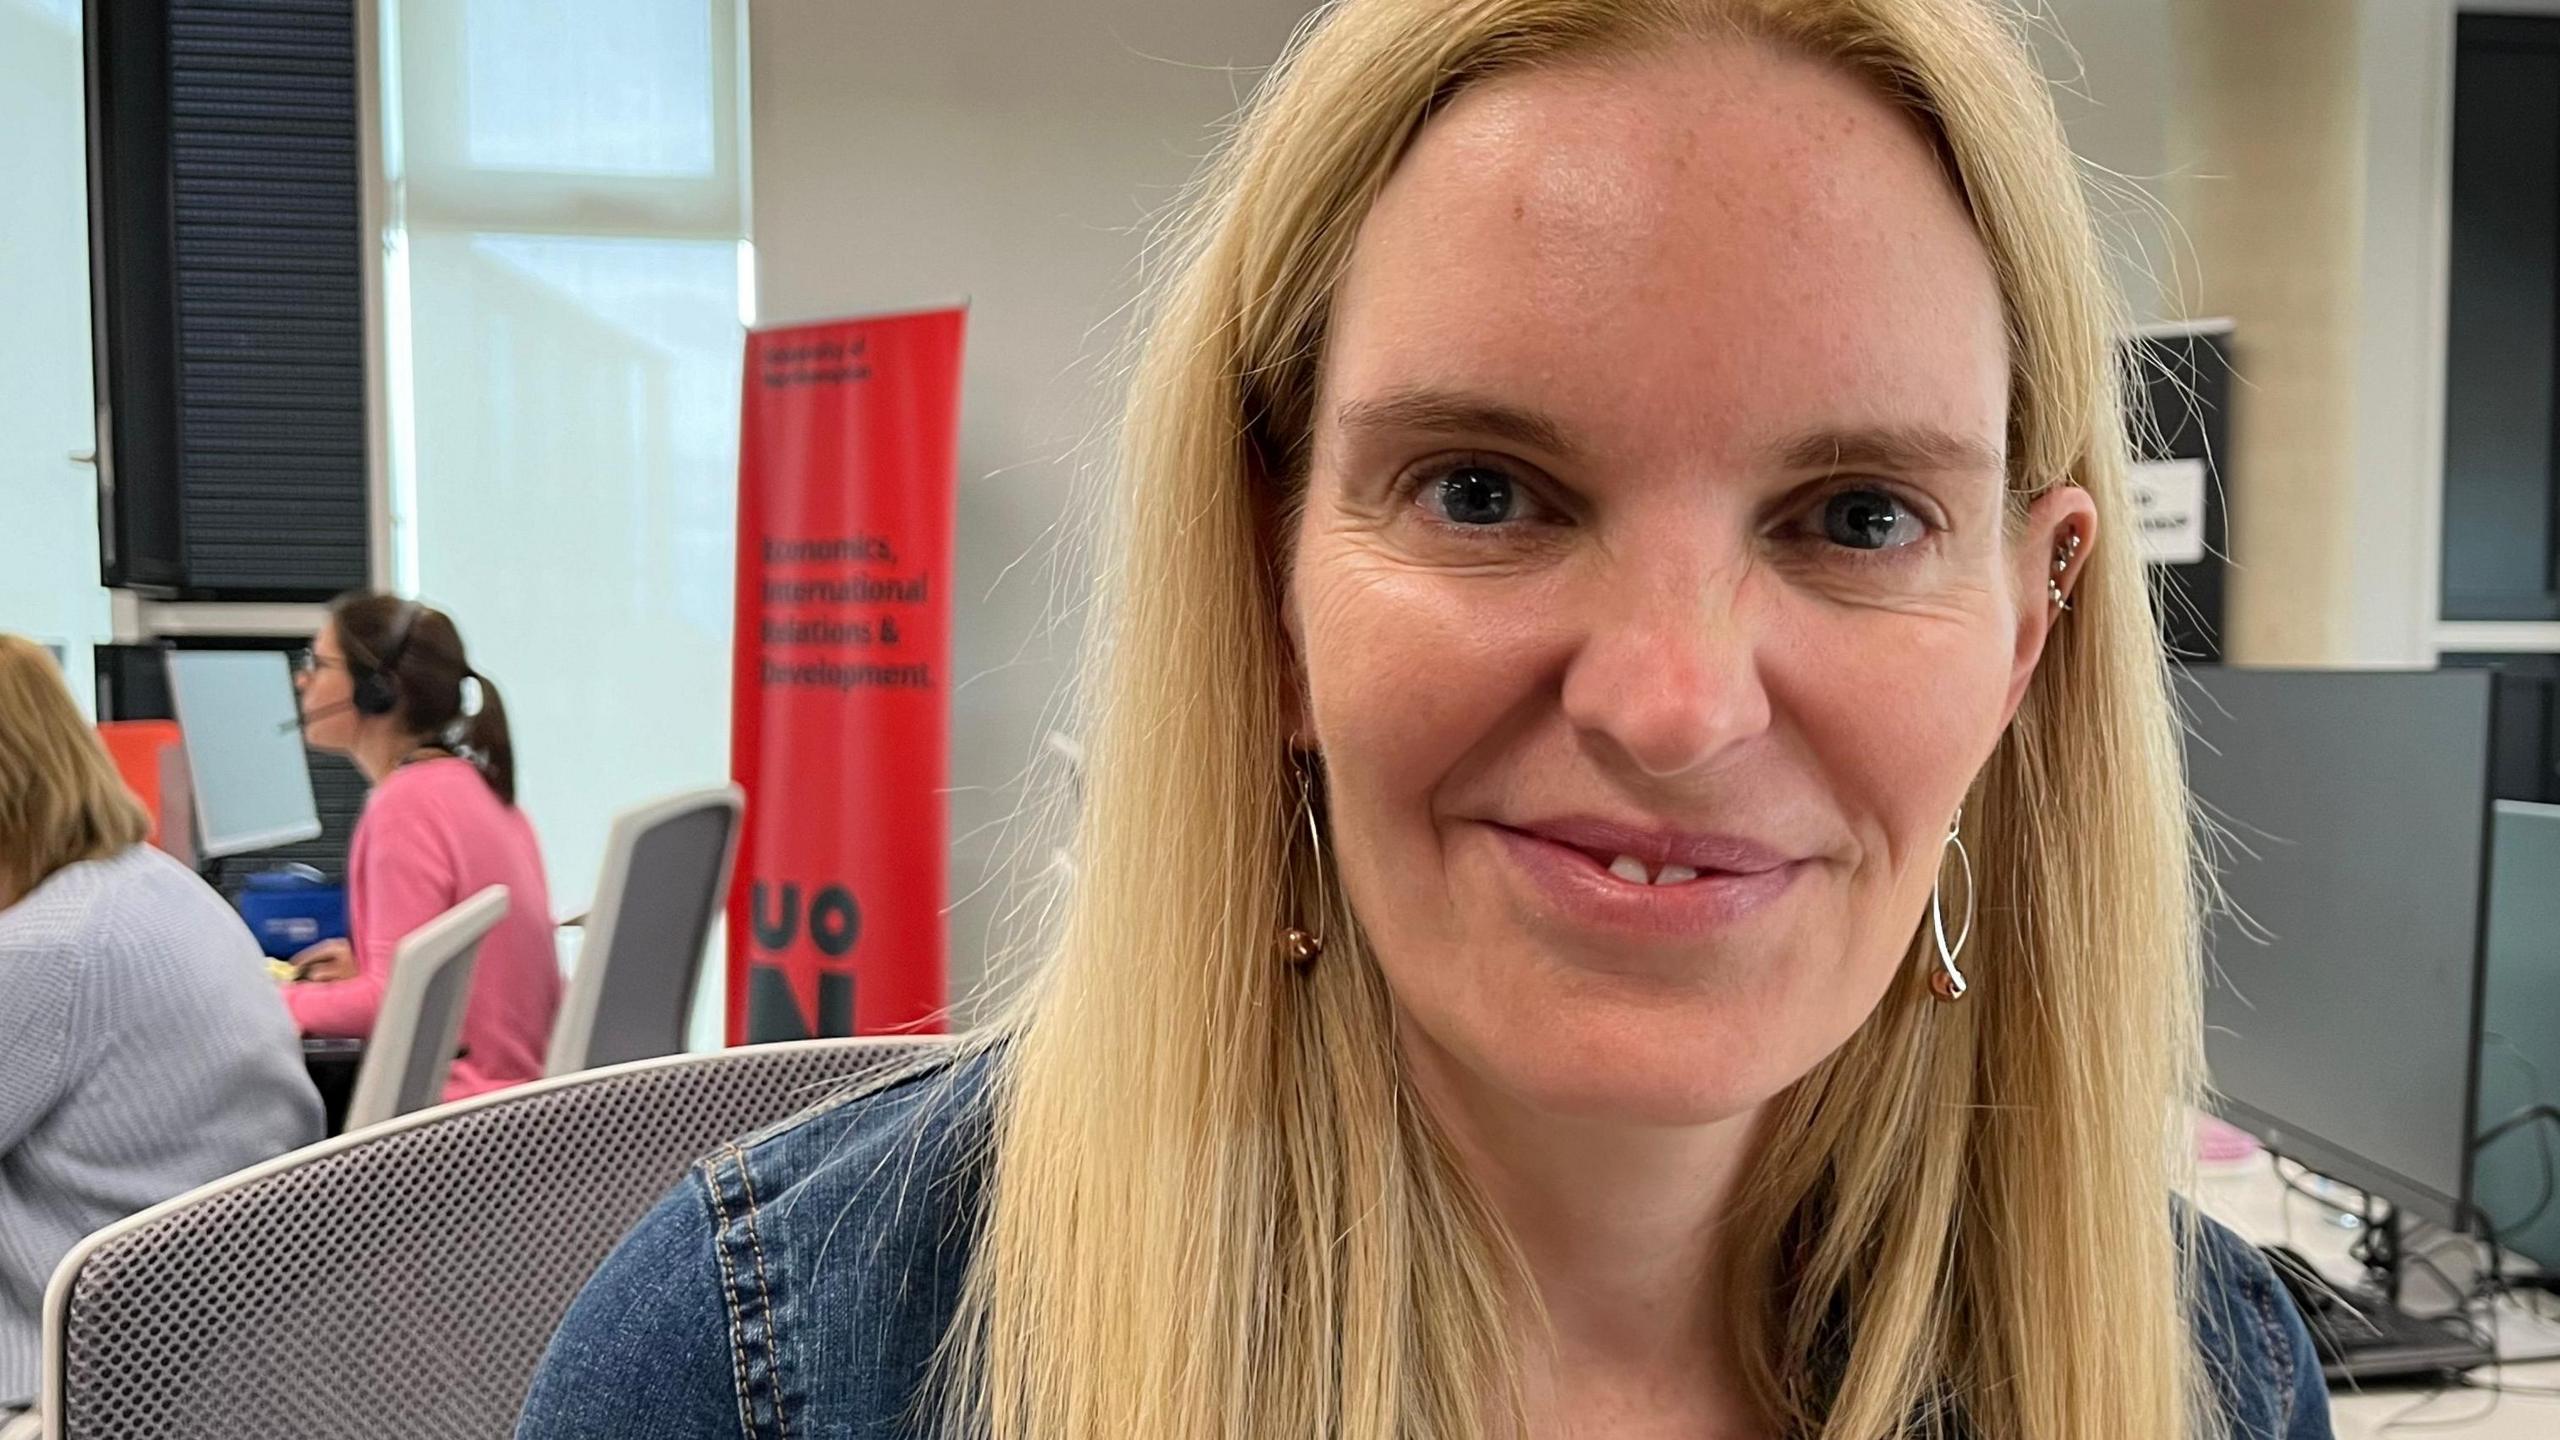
(1632, 870)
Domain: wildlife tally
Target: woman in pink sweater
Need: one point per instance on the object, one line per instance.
(385, 682)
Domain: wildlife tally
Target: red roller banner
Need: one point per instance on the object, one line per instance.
(839, 716)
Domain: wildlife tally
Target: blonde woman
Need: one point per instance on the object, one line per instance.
(1634, 873)
(143, 1050)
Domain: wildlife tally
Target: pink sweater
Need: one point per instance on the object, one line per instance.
(433, 834)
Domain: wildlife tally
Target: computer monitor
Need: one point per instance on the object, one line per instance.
(2513, 1180)
(242, 734)
(2351, 815)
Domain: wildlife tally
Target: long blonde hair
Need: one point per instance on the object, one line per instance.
(1216, 1209)
(61, 800)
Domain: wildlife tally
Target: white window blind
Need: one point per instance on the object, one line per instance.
(49, 587)
(563, 275)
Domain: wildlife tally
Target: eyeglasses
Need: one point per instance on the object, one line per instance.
(307, 661)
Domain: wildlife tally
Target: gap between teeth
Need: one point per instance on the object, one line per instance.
(1634, 872)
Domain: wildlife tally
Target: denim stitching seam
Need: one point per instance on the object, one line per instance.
(729, 1302)
(2279, 1349)
(772, 1343)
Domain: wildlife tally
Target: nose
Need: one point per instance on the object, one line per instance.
(1668, 676)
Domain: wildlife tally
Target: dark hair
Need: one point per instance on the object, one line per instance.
(425, 678)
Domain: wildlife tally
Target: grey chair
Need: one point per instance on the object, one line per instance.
(409, 1055)
(665, 879)
(399, 1283)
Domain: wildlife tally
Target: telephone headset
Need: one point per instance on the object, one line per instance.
(374, 688)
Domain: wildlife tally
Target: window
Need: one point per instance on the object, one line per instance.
(591, 87)
(2501, 543)
(49, 586)
(563, 279)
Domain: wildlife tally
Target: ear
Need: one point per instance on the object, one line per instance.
(2050, 551)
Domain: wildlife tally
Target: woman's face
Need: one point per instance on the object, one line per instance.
(328, 705)
(1656, 512)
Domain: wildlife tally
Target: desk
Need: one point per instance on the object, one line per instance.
(2247, 1196)
(333, 1063)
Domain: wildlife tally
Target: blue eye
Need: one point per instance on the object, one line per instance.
(1476, 495)
(1870, 520)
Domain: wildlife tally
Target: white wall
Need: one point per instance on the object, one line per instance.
(1009, 154)
(2395, 554)
(2157, 103)
(2114, 68)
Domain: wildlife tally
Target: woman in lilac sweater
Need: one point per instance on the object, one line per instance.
(385, 682)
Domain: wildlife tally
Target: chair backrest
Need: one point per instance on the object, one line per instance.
(665, 878)
(410, 1052)
(399, 1283)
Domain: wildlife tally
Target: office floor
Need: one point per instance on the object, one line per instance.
(2248, 1197)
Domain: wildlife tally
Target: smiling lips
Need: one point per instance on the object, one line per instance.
(1629, 877)
(1642, 855)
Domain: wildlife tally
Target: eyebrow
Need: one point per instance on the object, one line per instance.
(1916, 449)
(1446, 412)
(1895, 448)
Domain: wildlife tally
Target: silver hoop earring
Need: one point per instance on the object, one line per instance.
(1300, 946)
(1949, 983)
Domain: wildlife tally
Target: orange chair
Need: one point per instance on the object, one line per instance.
(135, 746)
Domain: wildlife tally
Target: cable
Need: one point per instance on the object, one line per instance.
(2547, 1116)
(2389, 1245)
(2400, 1418)
(2541, 1134)
(2504, 1387)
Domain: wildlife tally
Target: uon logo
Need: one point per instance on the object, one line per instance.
(831, 923)
(834, 921)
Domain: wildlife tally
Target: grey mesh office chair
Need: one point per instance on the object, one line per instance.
(409, 1055)
(665, 878)
(399, 1283)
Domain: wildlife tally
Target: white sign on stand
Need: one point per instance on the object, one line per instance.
(2168, 505)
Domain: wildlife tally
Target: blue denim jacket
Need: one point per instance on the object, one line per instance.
(795, 1286)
